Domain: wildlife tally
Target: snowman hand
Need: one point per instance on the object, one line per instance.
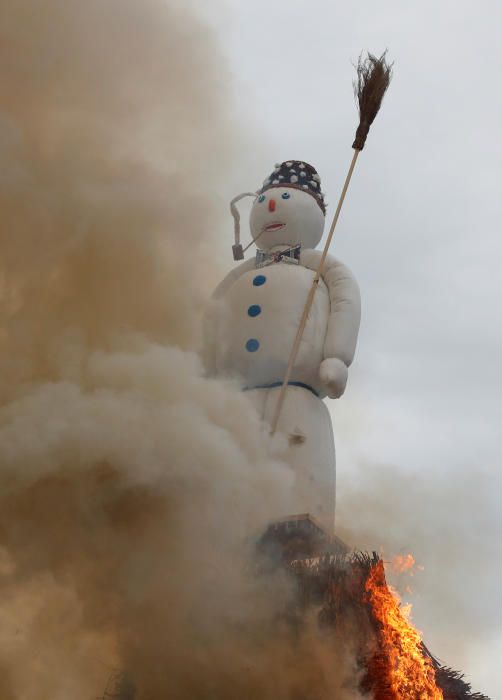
(333, 374)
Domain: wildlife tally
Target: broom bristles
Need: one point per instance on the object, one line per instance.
(373, 78)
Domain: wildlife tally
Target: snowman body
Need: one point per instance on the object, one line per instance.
(250, 330)
(261, 314)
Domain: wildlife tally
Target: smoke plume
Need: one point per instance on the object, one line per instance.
(130, 485)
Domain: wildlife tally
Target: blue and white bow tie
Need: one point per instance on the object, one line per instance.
(289, 255)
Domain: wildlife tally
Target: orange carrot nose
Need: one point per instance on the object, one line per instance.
(271, 204)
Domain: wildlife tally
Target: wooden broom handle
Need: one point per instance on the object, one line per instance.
(310, 299)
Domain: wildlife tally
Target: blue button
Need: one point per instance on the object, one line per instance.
(259, 280)
(254, 310)
(252, 345)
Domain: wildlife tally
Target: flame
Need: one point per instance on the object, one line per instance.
(403, 564)
(403, 670)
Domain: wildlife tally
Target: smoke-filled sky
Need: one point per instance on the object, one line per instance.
(125, 127)
(418, 437)
(130, 485)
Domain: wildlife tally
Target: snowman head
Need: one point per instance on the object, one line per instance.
(286, 216)
(290, 207)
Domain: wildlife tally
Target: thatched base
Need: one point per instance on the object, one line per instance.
(338, 584)
(349, 594)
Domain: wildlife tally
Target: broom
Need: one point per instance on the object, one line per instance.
(373, 78)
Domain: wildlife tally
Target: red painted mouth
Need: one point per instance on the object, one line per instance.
(274, 227)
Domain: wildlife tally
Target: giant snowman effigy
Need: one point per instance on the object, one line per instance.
(286, 323)
(255, 316)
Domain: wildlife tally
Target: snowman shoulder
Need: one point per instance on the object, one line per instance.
(345, 301)
(334, 270)
(231, 277)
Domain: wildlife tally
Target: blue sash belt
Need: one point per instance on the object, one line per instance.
(275, 384)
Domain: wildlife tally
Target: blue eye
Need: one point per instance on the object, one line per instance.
(261, 198)
(285, 195)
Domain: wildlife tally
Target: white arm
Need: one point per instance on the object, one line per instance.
(343, 323)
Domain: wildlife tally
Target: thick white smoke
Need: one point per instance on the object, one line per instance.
(130, 485)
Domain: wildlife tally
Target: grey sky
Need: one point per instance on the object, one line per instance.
(421, 231)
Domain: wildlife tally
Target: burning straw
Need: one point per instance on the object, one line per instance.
(358, 604)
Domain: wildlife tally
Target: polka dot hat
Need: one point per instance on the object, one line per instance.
(296, 173)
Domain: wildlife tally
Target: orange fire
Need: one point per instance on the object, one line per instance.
(403, 563)
(402, 670)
